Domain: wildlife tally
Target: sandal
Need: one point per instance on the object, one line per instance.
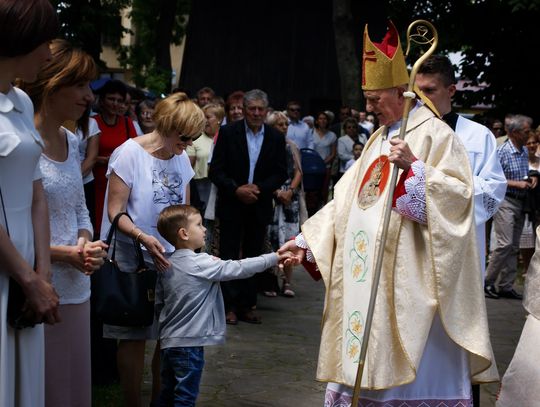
(270, 294)
(231, 318)
(287, 292)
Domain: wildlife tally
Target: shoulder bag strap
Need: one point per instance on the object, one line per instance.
(136, 245)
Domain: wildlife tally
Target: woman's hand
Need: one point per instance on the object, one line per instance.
(94, 254)
(87, 256)
(285, 196)
(41, 300)
(156, 250)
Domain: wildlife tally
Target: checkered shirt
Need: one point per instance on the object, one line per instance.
(515, 165)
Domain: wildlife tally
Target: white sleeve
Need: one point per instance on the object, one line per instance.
(187, 173)
(83, 217)
(412, 204)
(489, 182)
(93, 128)
(215, 269)
(123, 162)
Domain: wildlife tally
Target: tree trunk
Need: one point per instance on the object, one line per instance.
(164, 27)
(347, 58)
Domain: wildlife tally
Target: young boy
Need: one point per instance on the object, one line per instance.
(190, 304)
(357, 152)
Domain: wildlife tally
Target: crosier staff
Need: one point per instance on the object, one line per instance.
(420, 36)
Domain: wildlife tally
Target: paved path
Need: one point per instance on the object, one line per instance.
(274, 364)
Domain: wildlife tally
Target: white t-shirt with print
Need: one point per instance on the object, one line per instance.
(154, 183)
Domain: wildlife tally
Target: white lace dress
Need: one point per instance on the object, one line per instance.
(67, 213)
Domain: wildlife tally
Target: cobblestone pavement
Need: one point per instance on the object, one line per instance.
(274, 364)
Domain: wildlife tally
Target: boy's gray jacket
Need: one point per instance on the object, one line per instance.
(189, 302)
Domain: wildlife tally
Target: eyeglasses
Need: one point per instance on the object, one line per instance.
(185, 139)
(294, 109)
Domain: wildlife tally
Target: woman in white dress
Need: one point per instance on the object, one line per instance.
(25, 28)
(60, 93)
(146, 174)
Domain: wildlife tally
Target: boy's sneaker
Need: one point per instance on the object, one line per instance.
(489, 292)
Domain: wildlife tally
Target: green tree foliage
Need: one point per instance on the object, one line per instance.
(498, 40)
(86, 23)
(158, 24)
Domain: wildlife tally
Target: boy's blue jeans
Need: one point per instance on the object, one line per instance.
(181, 371)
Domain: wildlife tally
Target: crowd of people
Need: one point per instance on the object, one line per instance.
(206, 176)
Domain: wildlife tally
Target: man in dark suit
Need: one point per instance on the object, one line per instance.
(248, 165)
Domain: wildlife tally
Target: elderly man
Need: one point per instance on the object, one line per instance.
(429, 336)
(508, 221)
(205, 96)
(248, 165)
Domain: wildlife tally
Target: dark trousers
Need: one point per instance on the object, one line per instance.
(240, 239)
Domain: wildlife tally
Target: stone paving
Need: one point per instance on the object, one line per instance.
(274, 364)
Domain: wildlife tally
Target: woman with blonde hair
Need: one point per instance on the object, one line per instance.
(147, 174)
(62, 93)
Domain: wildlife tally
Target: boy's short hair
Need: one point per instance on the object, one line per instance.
(173, 218)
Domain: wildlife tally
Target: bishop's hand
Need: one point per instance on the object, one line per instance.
(400, 154)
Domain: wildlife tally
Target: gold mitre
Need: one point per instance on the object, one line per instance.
(383, 64)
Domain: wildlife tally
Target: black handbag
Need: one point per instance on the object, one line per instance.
(18, 316)
(124, 298)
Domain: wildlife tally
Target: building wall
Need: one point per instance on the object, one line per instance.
(109, 56)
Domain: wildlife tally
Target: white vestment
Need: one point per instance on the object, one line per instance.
(488, 176)
(444, 367)
(429, 267)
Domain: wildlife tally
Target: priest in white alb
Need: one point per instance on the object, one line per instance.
(429, 339)
(437, 80)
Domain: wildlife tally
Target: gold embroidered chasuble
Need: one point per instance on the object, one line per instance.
(426, 268)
